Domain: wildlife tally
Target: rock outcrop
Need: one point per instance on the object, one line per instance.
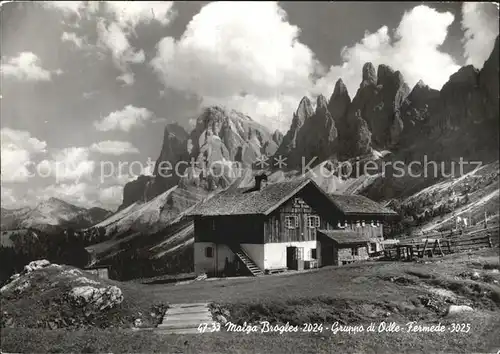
(173, 150)
(289, 143)
(209, 157)
(461, 119)
(417, 109)
(378, 102)
(316, 138)
(227, 135)
(135, 191)
(58, 296)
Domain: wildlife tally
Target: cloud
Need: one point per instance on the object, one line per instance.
(26, 67)
(68, 7)
(131, 13)
(226, 58)
(115, 39)
(8, 197)
(73, 38)
(17, 149)
(480, 23)
(413, 50)
(68, 164)
(116, 22)
(125, 119)
(114, 147)
(79, 194)
(126, 78)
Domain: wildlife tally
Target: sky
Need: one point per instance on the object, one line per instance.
(86, 86)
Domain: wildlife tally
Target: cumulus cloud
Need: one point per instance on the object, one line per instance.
(73, 38)
(131, 13)
(114, 147)
(413, 50)
(17, 150)
(115, 24)
(480, 23)
(115, 39)
(68, 164)
(226, 58)
(124, 119)
(26, 67)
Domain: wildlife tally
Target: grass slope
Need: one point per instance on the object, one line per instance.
(354, 295)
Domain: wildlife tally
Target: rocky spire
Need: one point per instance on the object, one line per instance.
(369, 75)
(304, 111)
(339, 103)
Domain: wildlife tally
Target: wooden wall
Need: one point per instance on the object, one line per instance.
(272, 229)
(229, 229)
(344, 253)
(275, 229)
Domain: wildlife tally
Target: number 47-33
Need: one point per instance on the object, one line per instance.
(213, 327)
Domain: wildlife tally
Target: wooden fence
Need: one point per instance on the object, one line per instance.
(418, 247)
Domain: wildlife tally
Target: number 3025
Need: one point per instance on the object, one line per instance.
(460, 327)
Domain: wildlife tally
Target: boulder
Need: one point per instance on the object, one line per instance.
(42, 263)
(96, 299)
(458, 309)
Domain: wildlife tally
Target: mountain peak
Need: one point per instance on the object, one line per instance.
(369, 74)
(421, 84)
(340, 88)
(321, 102)
(305, 109)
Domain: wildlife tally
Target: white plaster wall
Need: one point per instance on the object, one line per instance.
(222, 252)
(275, 253)
(255, 252)
(203, 264)
(318, 252)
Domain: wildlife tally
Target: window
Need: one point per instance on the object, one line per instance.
(209, 252)
(373, 247)
(354, 251)
(291, 222)
(313, 253)
(313, 221)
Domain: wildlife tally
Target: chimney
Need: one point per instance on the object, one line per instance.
(260, 183)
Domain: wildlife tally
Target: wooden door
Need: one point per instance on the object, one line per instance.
(291, 256)
(327, 254)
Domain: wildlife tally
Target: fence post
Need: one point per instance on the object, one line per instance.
(489, 241)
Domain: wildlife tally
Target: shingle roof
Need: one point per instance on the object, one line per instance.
(240, 201)
(342, 237)
(237, 202)
(357, 204)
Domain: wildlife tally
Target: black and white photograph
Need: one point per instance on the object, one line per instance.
(249, 177)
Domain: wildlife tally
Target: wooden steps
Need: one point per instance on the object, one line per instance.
(247, 261)
(185, 318)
